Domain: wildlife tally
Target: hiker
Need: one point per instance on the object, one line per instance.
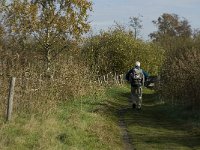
(136, 76)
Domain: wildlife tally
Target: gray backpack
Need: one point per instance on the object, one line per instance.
(136, 77)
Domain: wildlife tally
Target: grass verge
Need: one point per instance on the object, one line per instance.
(87, 123)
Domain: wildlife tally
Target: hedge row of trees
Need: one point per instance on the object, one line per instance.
(41, 40)
(117, 50)
(180, 70)
(39, 46)
(173, 53)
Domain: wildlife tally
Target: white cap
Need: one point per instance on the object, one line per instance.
(137, 63)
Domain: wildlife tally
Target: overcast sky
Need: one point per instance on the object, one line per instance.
(105, 12)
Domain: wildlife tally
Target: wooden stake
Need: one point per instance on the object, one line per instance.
(10, 98)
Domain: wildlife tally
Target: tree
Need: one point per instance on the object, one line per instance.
(135, 22)
(110, 51)
(49, 23)
(116, 50)
(170, 25)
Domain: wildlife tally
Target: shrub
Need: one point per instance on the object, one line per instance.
(180, 77)
(116, 50)
(35, 92)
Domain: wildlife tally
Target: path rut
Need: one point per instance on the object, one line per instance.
(127, 138)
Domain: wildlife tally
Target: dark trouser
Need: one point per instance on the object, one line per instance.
(136, 96)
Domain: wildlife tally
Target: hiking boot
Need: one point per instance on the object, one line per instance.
(139, 107)
(133, 106)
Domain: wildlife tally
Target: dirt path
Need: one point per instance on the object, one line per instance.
(127, 138)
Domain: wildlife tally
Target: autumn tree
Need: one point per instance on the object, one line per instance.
(51, 24)
(180, 71)
(170, 29)
(171, 25)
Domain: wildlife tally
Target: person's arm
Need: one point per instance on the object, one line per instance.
(128, 74)
(146, 75)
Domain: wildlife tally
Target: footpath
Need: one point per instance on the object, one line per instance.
(157, 126)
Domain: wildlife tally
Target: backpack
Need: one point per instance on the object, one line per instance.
(136, 77)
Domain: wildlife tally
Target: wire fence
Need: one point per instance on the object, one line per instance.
(37, 95)
(111, 79)
(30, 96)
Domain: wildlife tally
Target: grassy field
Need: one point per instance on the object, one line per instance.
(92, 123)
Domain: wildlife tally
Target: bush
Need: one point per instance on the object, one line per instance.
(116, 51)
(35, 92)
(180, 77)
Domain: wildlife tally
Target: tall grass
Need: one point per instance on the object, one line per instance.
(35, 90)
(86, 123)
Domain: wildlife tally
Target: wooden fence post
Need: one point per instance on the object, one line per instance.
(10, 99)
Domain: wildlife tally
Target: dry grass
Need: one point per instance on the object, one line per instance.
(72, 125)
(39, 92)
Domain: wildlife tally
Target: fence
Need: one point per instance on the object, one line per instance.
(33, 95)
(111, 79)
(30, 95)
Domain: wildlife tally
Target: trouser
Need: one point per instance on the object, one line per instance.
(136, 96)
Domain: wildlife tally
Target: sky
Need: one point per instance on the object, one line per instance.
(105, 12)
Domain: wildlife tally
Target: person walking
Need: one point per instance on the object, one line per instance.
(136, 76)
